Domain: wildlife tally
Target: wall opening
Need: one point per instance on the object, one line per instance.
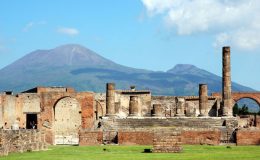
(31, 121)
(246, 106)
(67, 121)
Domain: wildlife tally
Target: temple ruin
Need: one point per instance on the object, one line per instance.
(130, 116)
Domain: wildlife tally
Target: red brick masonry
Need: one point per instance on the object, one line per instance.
(135, 138)
(90, 138)
(248, 137)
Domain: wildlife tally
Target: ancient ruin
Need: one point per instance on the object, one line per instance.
(129, 116)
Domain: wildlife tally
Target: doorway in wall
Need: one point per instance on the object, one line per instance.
(31, 121)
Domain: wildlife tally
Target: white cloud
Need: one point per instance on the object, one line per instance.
(68, 31)
(234, 22)
(29, 25)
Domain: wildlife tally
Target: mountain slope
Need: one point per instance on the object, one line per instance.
(78, 67)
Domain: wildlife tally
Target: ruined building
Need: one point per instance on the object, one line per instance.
(130, 116)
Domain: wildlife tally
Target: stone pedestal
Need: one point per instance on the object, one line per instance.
(167, 141)
(110, 100)
(157, 110)
(180, 107)
(203, 100)
(133, 107)
(226, 83)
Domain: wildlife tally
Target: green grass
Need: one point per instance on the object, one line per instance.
(135, 152)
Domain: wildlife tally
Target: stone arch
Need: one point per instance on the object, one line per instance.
(253, 96)
(67, 120)
(99, 109)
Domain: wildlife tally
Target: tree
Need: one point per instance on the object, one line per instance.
(243, 110)
(235, 110)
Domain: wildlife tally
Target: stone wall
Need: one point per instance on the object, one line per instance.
(201, 136)
(42, 102)
(245, 121)
(122, 98)
(21, 141)
(90, 138)
(248, 136)
(187, 136)
(169, 105)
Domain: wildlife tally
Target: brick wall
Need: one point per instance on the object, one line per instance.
(210, 137)
(90, 138)
(248, 137)
(167, 141)
(21, 141)
(135, 137)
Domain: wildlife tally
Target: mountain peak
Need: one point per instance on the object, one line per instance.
(65, 55)
(183, 69)
(71, 48)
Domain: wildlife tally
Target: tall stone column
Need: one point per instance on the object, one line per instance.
(203, 100)
(133, 107)
(226, 83)
(157, 110)
(180, 107)
(110, 100)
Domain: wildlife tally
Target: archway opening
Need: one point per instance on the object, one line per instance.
(246, 106)
(67, 116)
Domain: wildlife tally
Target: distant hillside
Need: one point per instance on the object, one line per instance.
(78, 67)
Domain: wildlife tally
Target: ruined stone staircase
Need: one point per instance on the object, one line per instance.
(146, 123)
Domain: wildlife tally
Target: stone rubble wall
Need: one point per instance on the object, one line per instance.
(12, 141)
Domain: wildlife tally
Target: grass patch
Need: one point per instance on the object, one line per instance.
(136, 153)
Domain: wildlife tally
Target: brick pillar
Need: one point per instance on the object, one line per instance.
(203, 100)
(157, 110)
(226, 83)
(180, 107)
(110, 100)
(133, 107)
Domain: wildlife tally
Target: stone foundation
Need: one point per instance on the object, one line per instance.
(201, 136)
(135, 138)
(12, 141)
(167, 141)
(248, 136)
(90, 138)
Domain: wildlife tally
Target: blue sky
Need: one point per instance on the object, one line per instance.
(148, 34)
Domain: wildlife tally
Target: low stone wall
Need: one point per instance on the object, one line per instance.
(248, 136)
(135, 138)
(187, 135)
(21, 141)
(90, 138)
(209, 137)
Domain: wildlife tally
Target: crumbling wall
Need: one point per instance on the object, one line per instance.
(90, 137)
(41, 101)
(169, 105)
(48, 102)
(248, 136)
(21, 141)
(167, 141)
(201, 136)
(132, 137)
(185, 136)
(122, 99)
